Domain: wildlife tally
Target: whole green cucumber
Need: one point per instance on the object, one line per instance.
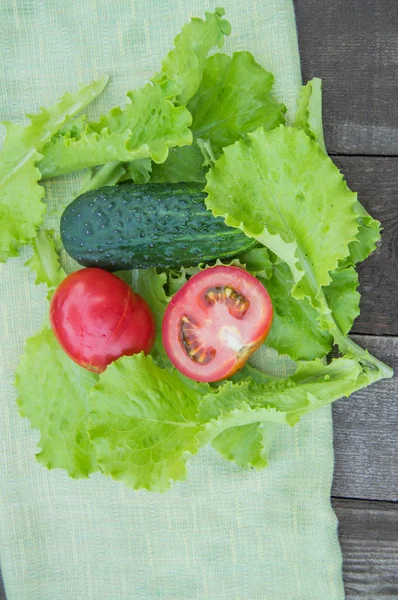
(131, 226)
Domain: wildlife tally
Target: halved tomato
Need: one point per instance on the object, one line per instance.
(215, 322)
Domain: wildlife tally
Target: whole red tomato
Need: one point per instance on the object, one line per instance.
(96, 318)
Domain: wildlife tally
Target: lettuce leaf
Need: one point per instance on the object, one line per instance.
(151, 123)
(21, 206)
(257, 261)
(309, 111)
(147, 127)
(309, 119)
(139, 171)
(45, 261)
(150, 285)
(242, 418)
(341, 295)
(234, 98)
(313, 385)
(109, 174)
(343, 298)
(52, 394)
(295, 329)
(247, 445)
(279, 188)
(367, 237)
(183, 66)
(143, 423)
(182, 164)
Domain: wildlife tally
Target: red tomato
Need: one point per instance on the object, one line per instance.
(96, 318)
(215, 321)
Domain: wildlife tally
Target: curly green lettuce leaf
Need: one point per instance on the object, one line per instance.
(182, 164)
(295, 329)
(342, 295)
(138, 171)
(148, 126)
(237, 414)
(257, 261)
(52, 394)
(309, 119)
(247, 445)
(283, 401)
(367, 237)
(234, 98)
(343, 298)
(45, 261)
(115, 172)
(151, 124)
(149, 284)
(21, 206)
(109, 174)
(143, 423)
(309, 111)
(279, 188)
(184, 64)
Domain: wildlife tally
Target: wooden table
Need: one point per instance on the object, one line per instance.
(353, 46)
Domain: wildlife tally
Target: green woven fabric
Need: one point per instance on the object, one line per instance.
(225, 533)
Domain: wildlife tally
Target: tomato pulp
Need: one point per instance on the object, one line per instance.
(215, 321)
(96, 318)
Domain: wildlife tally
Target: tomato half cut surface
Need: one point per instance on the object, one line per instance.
(215, 322)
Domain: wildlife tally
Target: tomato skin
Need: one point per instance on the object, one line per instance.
(215, 322)
(96, 318)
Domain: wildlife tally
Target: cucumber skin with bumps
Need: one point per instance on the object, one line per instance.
(152, 225)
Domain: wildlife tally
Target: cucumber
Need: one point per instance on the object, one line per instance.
(153, 225)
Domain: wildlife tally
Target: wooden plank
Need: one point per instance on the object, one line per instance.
(353, 46)
(368, 535)
(376, 181)
(365, 433)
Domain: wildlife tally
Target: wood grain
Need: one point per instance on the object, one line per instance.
(365, 433)
(353, 46)
(376, 181)
(368, 535)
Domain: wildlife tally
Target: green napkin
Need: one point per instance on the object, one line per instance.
(225, 533)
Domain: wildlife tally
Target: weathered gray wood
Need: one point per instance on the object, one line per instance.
(366, 433)
(353, 46)
(2, 591)
(376, 181)
(368, 533)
